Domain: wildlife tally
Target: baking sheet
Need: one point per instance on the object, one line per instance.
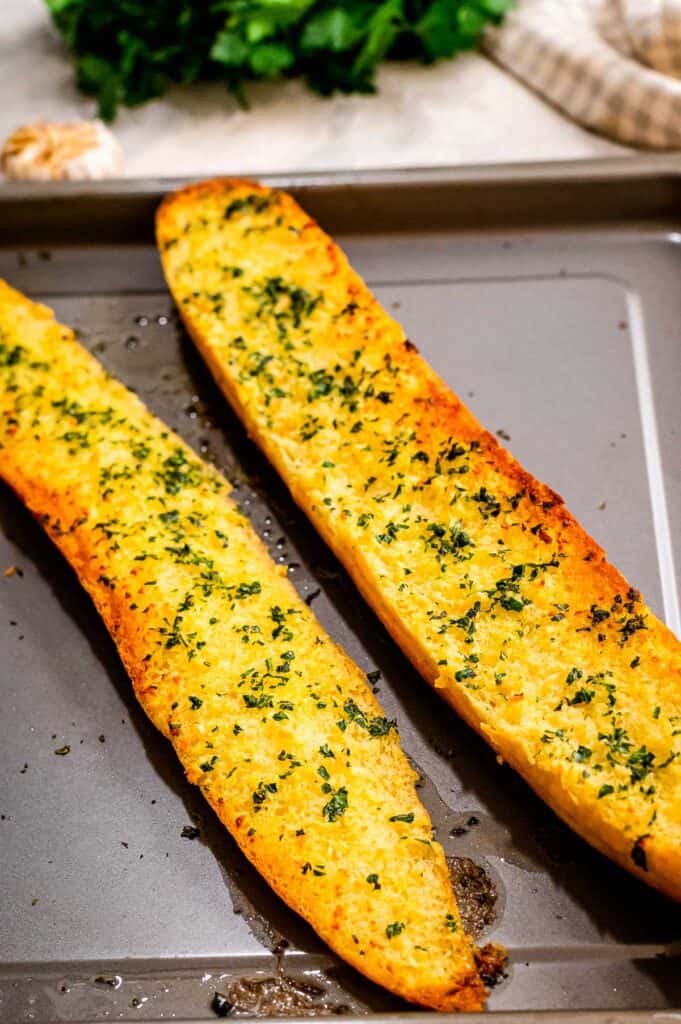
(549, 299)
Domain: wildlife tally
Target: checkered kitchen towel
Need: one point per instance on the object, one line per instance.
(612, 65)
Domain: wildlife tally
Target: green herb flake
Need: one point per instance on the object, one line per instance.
(582, 754)
(337, 805)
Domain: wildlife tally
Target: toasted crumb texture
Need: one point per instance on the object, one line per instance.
(489, 585)
(271, 720)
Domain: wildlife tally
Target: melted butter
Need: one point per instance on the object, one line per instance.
(476, 894)
(280, 996)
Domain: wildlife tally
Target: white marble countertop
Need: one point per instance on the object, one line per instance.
(466, 111)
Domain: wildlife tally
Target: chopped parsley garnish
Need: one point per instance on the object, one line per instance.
(260, 795)
(177, 472)
(337, 805)
(375, 725)
(582, 696)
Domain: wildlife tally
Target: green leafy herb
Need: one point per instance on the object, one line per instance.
(261, 794)
(337, 805)
(129, 52)
(582, 696)
(377, 725)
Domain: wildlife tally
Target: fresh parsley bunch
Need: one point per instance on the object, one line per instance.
(129, 51)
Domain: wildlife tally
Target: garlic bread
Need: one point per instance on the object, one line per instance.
(274, 723)
(490, 586)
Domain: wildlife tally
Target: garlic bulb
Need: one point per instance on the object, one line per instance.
(44, 151)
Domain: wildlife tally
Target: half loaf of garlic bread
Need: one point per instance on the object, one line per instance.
(490, 586)
(278, 728)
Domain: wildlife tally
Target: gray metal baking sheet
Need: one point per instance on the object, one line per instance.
(549, 299)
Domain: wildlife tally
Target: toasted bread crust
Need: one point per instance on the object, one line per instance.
(488, 583)
(269, 718)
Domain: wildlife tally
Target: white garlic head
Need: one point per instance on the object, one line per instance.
(76, 151)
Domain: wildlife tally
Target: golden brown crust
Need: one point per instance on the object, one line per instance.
(269, 718)
(487, 582)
